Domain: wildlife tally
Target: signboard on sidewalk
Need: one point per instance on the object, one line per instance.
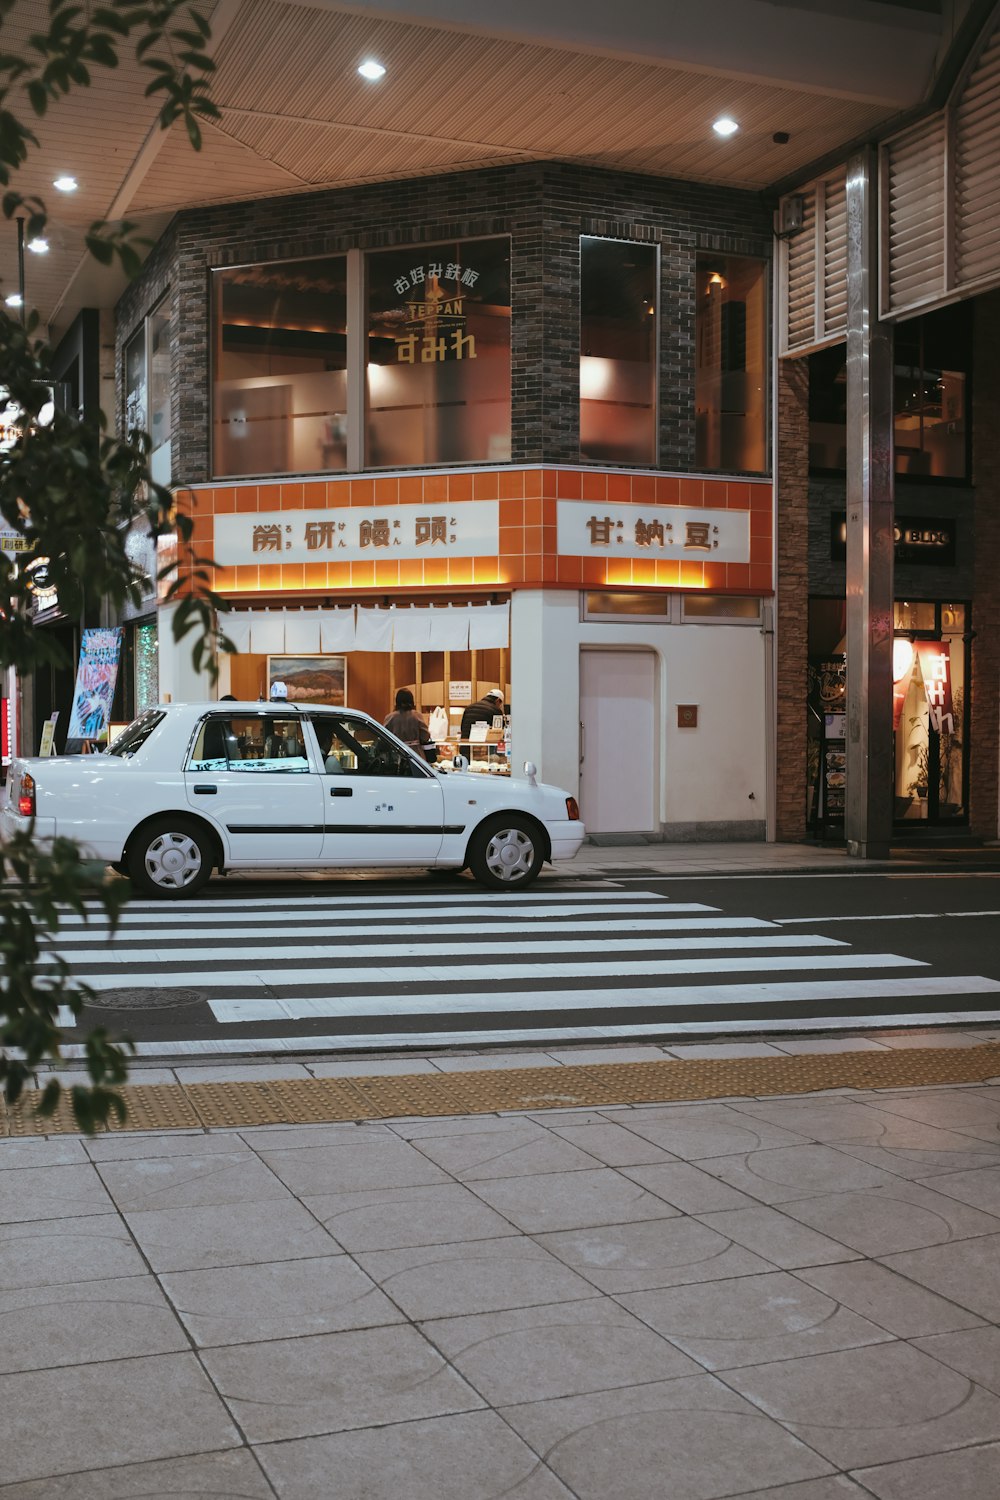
(96, 677)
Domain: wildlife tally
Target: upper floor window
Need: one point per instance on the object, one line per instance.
(731, 364)
(438, 355)
(281, 368)
(147, 387)
(931, 363)
(618, 342)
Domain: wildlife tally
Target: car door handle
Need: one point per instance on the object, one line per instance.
(341, 791)
(205, 791)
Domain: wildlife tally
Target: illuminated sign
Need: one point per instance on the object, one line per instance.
(359, 534)
(666, 531)
(918, 539)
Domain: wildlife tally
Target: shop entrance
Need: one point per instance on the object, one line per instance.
(618, 741)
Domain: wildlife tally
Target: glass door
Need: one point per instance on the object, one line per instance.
(930, 678)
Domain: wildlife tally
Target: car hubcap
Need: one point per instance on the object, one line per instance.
(510, 854)
(173, 860)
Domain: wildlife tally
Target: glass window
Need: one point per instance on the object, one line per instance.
(731, 364)
(601, 602)
(266, 742)
(725, 607)
(439, 354)
(135, 736)
(352, 747)
(135, 382)
(618, 340)
(280, 400)
(932, 358)
(158, 339)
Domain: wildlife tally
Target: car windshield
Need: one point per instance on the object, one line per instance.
(137, 733)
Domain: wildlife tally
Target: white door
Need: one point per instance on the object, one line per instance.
(618, 741)
(381, 807)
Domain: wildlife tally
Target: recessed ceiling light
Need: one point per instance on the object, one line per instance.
(725, 125)
(38, 246)
(14, 300)
(372, 70)
(66, 184)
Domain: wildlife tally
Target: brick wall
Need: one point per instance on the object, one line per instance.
(984, 728)
(792, 602)
(543, 207)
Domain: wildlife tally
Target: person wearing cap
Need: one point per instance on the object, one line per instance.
(482, 712)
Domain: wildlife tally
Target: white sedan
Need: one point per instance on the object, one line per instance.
(189, 788)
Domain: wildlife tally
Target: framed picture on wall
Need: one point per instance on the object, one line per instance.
(310, 679)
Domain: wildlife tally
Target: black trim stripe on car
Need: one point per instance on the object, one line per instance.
(274, 828)
(344, 828)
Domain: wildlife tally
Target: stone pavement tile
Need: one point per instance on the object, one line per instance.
(475, 1156)
(417, 1127)
(888, 1299)
(302, 1387)
(690, 1437)
(161, 1143)
(926, 1165)
(783, 1173)
(837, 1487)
(191, 1181)
(980, 1188)
(694, 1131)
(903, 1039)
(903, 1216)
(53, 1251)
(119, 1412)
(968, 1474)
(967, 1111)
(240, 1072)
(480, 1276)
(52, 1193)
(571, 1200)
(228, 1234)
(610, 1143)
(54, 1153)
(781, 1240)
(384, 1162)
(471, 1456)
(752, 1320)
(234, 1475)
(41, 1327)
(966, 1271)
(582, 1057)
(266, 1138)
(870, 1406)
(398, 1217)
(688, 1188)
(724, 1049)
(567, 1349)
(492, 1061)
(809, 1044)
(836, 1120)
(973, 1351)
(652, 1253)
(372, 1067)
(279, 1300)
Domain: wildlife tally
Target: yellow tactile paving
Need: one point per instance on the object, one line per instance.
(317, 1101)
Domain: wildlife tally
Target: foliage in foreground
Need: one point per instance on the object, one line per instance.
(73, 489)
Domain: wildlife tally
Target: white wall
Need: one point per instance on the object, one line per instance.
(179, 682)
(706, 774)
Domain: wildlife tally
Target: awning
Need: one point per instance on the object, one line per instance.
(420, 627)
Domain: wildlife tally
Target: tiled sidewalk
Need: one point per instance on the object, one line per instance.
(783, 1298)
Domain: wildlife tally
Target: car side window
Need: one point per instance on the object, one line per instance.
(351, 747)
(266, 742)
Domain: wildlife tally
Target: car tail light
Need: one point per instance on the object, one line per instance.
(26, 796)
(572, 809)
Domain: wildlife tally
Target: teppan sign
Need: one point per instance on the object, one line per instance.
(918, 539)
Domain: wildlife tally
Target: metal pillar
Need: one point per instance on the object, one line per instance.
(870, 483)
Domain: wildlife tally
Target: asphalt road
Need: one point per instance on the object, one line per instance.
(431, 959)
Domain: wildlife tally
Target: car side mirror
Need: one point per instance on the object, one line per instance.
(531, 771)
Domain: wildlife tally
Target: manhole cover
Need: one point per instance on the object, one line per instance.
(145, 999)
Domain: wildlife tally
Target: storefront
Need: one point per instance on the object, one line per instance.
(623, 616)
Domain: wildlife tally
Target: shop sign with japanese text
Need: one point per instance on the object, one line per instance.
(434, 316)
(592, 529)
(359, 534)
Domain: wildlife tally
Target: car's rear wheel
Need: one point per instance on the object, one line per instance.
(507, 851)
(170, 857)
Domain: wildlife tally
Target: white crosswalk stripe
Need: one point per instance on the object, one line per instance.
(470, 968)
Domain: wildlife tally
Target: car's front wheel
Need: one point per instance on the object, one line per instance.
(507, 851)
(171, 857)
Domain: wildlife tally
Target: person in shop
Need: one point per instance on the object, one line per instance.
(407, 725)
(482, 712)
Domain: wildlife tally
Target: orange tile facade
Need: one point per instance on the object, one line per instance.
(527, 555)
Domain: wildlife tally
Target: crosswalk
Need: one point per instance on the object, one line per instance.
(370, 969)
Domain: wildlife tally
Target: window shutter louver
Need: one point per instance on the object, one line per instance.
(913, 197)
(800, 277)
(834, 257)
(977, 169)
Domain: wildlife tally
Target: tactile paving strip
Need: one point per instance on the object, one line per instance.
(323, 1100)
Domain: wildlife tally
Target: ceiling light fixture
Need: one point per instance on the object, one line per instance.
(372, 70)
(66, 184)
(38, 246)
(725, 125)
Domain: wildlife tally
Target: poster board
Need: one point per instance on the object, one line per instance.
(96, 679)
